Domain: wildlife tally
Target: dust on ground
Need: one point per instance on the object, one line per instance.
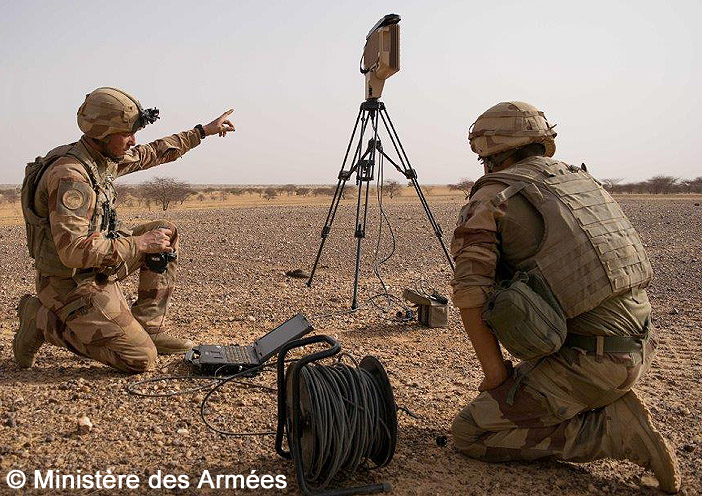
(232, 288)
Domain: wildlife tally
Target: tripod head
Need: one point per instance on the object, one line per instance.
(381, 54)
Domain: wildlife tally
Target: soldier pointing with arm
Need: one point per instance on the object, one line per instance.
(80, 250)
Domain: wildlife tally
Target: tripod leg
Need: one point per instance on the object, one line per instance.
(344, 175)
(365, 175)
(411, 174)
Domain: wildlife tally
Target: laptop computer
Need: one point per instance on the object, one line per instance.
(208, 359)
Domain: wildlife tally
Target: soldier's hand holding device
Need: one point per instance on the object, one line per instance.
(155, 241)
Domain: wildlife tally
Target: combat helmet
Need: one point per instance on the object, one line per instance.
(110, 110)
(510, 125)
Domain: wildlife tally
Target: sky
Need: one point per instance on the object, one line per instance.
(621, 79)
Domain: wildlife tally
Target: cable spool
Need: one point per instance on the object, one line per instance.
(336, 418)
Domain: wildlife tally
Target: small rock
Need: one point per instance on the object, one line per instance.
(688, 448)
(11, 422)
(441, 441)
(282, 285)
(697, 204)
(298, 274)
(5, 450)
(674, 311)
(251, 318)
(182, 431)
(84, 425)
(50, 439)
(649, 480)
(591, 488)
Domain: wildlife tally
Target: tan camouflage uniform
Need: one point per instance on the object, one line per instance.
(560, 405)
(84, 313)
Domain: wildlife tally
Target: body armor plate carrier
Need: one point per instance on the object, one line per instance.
(39, 238)
(589, 251)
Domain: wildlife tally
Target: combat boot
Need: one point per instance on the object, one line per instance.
(28, 339)
(640, 442)
(169, 345)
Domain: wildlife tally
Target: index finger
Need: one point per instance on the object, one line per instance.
(228, 112)
(165, 231)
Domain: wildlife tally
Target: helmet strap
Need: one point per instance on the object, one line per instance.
(506, 158)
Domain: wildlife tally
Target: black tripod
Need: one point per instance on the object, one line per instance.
(363, 164)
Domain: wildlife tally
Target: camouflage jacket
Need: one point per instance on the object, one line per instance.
(68, 195)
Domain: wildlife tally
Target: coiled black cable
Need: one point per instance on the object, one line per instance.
(349, 419)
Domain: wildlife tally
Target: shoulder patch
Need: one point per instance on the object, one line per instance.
(73, 198)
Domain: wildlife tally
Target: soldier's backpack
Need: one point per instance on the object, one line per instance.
(37, 226)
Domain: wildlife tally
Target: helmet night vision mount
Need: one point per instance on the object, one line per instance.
(381, 54)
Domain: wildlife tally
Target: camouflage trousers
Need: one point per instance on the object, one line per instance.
(557, 407)
(93, 319)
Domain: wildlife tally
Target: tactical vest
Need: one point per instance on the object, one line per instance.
(40, 241)
(590, 251)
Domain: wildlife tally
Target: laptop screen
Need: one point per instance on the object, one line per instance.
(289, 330)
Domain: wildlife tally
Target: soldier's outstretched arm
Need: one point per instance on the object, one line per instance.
(172, 147)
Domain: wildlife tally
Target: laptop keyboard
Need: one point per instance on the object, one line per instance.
(239, 354)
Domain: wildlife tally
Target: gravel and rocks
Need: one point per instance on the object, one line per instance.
(233, 288)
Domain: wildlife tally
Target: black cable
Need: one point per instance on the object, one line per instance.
(132, 387)
(383, 218)
(348, 420)
(217, 387)
(214, 385)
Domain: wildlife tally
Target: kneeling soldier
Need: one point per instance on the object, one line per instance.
(80, 251)
(549, 261)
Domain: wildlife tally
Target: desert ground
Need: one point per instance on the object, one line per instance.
(232, 288)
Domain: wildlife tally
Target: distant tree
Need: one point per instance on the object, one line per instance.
(391, 188)
(165, 190)
(463, 185)
(323, 191)
(125, 193)
(693, 185)
(611, 183)
(662, 184)
(427, 189)
(201, 197)
(11, 195)
(237, 191)
(270, 193)
(223, 195)
(302, 191)
(288, 188)
(350, 191)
